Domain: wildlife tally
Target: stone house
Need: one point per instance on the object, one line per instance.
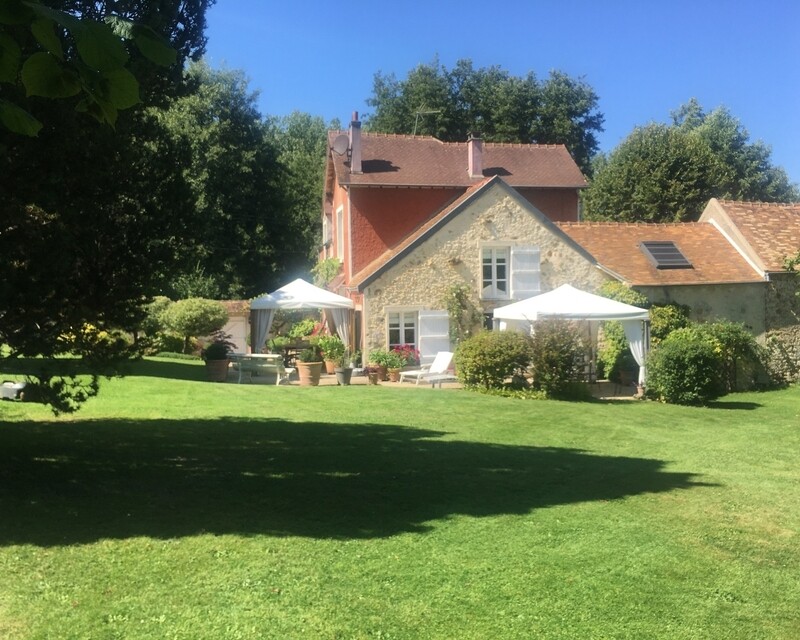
(383, 191)
(409, 217)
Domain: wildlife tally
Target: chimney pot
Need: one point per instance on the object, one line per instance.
(475, 156)
(355, 144)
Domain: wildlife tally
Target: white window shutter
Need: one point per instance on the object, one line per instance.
(524, 272)
(434, 334)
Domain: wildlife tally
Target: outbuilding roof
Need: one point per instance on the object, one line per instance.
(768, 232)
(617, 247)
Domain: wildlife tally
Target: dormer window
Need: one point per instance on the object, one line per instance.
(664, 254)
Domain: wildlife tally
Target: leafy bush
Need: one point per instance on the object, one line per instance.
(195, 317)
(302, 328)
(685, 369)
(557, 350)
(742, 357)
(613, 351)
(620, 292)
(153, 322)
(408, 353)
(613, 354)
(666, 318)
(311, 354)
(379, 357)
(395, 360)
(176, 355)
(488, 358)
(331, 347)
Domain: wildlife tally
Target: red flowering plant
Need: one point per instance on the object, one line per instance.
(408, 353)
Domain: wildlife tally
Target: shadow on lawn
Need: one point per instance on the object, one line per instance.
(84, 481)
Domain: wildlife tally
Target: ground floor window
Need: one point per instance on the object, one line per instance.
(402, 328)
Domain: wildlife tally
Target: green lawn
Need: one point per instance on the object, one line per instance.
(173, 508)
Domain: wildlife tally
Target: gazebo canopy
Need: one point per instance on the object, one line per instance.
(568, 302)
(300, 294)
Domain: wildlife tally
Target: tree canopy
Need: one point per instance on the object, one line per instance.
(667, 173)
(449, 104)
(255, 185)
(91, 215)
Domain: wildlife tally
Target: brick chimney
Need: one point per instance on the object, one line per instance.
(355, 144)
(475, 156)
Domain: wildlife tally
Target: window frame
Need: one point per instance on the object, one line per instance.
(495, 294)
(402, 311)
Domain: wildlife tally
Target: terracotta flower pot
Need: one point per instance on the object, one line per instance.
(309, 373)
(217, 370)
(330, 367)
(394, 375)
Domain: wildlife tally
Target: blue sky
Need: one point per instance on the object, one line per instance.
(643, 58)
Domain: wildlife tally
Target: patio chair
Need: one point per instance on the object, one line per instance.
(438, 368)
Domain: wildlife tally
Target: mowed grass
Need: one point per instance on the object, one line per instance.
(174, 508)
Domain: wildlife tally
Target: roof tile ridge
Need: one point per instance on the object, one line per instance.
(522, 145)
(399, 136)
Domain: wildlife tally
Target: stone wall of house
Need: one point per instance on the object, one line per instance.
(743, 303)
(783, 325)
(453, 257)
(771, 310)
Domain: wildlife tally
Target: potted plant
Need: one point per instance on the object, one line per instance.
(394, 363)
(216, 356)
(344, 368)
(332, 349)
(373, 374)
(309, 367)
(409, 354)
(379, 359)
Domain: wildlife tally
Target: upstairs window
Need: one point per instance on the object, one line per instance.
(509, 272)
(495, 272)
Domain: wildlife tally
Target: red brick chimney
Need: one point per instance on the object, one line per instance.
(355, 144)
(475, 156)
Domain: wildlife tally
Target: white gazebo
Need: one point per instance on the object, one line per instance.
(299, 294)
(569, 303)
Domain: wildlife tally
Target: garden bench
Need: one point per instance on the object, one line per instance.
(258, 364)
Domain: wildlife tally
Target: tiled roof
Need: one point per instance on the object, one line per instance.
(374, 268)
(771, 229)
(237, 307)
(615, 246)
(397, 160)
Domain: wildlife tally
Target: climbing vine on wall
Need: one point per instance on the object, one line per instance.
(465, 316)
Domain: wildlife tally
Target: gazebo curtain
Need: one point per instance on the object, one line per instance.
(636, 334)
(261, 322)
(341, 319)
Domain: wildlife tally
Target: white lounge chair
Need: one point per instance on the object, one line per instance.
(438, 368)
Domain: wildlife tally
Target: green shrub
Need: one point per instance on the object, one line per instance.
(488, 358)
(176, 355)
(557, 350)
(379, 357)
(153, 322)
(615, 290)
(195, 317)
(302, 328)
(613, 351)
(165, 342)
(331, 347)
(666, 318)
(741, 356)
(684, 369)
